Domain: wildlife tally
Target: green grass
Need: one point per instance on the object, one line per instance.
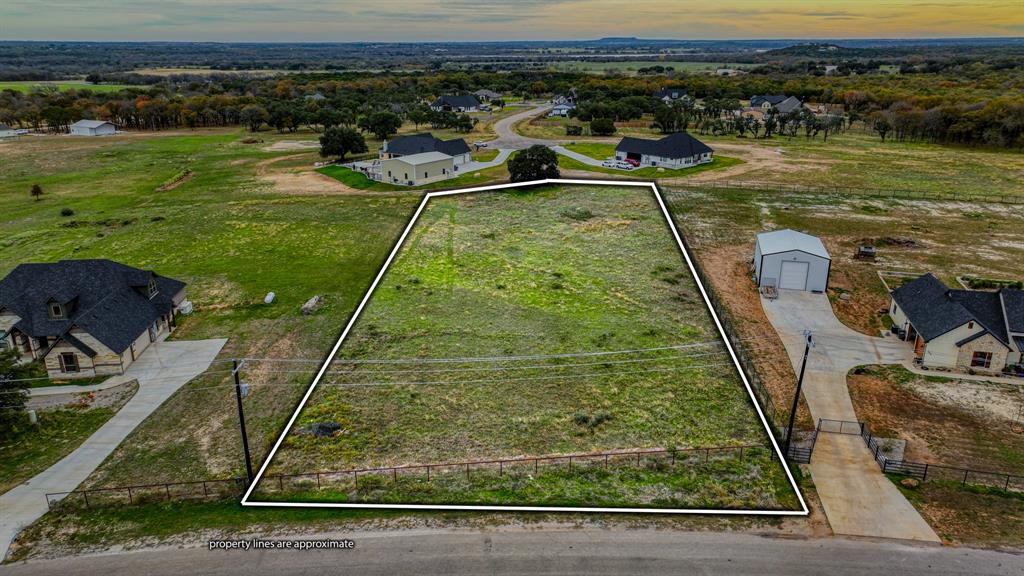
(631, 66)
(969, 515)
(30, 85)
(547, 271)
(360, 181)
(36, 448)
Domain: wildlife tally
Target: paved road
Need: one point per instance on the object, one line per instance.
(512, 140)
(561, 553)
(161, 370)
(858, 499)
(498, 160)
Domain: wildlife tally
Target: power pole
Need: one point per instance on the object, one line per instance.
(808, 343)
(241, 421)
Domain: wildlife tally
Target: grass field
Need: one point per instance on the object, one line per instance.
(29, 85)
(968, 515)
(551, 271)
(630, 67)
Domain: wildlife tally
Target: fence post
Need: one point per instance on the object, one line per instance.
(280, 482)
(1006, 488)
(570, 463)
(86, 494)
(428, 473)
(317, 480)
(501, 468)
(966, 472)
(394, 475)
(925, 475)
(167, 490)
(131, 501)
(467, 470)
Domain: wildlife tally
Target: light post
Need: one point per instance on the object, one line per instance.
(241, 420)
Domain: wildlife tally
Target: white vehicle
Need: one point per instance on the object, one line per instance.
(480, 144)
(610, 164)
(624, 166)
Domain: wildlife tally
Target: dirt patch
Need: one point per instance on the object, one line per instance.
(288, 145)
(113, 397)
(727, 270)
(940, 427)
(301, 181)
(185, 177)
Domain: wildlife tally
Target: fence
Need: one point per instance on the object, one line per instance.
(922, 471)
(848, 191)
(658, 459)
(147, 493)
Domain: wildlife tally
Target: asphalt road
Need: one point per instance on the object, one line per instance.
(591, 552)
(509, 138)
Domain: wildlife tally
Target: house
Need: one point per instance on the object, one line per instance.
(315, 97)
(461, 103)
(791, 260)
(679, 150)
(86, 318)
(562, 110)
(7, 132)
(426, 142)
(669, 95)
(417, 169)
(970, 329)
(485, 95)
(567, 98)
(93, 128)
(780, 103)
(727, 72)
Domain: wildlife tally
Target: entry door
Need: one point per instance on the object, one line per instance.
(794, 275)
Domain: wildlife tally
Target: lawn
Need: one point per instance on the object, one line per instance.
(36, 448)
(233, 237)
(552, 271)
(29, 85)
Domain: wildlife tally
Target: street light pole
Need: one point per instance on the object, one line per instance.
(808, 343)
(241, 422)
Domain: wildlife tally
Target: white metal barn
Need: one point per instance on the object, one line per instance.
(791, 260)
(92, 128)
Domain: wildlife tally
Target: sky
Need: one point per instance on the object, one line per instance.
(442, 20)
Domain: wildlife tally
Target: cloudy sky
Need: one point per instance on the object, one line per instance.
(418, 20)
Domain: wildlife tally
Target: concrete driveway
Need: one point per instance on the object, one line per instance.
(858, 499)
(512, 140)
(161, 370)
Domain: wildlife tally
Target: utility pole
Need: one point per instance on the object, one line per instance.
(241, 421)
(808, 344)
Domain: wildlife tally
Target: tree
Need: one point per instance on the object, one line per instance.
(13, 395)
(37, 191)
(253, 116)
(381, 124)
(602, 127)
(880, 124)
(340, 141)
(538, 162)
(464, 123)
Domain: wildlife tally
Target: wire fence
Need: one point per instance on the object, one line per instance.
(148, 493)
(845, 191)
(922, 471)
(362, 479)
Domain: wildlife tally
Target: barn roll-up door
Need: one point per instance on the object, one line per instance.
(794, 275)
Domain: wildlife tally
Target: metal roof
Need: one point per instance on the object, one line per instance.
(788, 240)
(91, 123)
(424, 158)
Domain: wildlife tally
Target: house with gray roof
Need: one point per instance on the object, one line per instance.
(669, 95)
(456, 103)
(968, 329)
(86, 318)
(93, 128)
(679, 150)
(778, 102)
(485, 95)
(425, 142)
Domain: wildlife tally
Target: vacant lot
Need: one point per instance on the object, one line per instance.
(29, 85)
(476, 335)
(970, 516)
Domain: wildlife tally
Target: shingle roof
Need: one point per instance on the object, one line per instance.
(1013, 309)
(789, 104)
(772, 99)
(678, 145)
(788, 240)
(934, 309)
(458, 101)
(420, 143)
(485, 93)
(103, 298)
(671, 93)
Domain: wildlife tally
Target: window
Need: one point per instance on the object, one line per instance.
(981, 360)
(68, 362)
(56, 311)
(151, 289)
(426, 174)
(970, 325)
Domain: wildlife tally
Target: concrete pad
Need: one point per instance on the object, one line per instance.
(161, 370)
(858, 499)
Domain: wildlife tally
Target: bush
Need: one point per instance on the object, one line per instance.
(538, 162)
(67, 212)
(602, 127)
(577, 213)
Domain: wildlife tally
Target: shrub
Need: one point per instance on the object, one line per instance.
(602, 127)
(67, 212)
(577, 213)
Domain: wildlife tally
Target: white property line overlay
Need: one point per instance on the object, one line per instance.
(804, 511)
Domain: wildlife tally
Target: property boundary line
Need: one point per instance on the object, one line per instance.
(803, 511)
(845, 191)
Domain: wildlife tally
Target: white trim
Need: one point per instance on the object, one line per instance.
(804, 511)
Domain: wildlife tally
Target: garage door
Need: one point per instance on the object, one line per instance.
(794, 275)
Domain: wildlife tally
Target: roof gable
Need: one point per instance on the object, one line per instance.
(457, 101)
(1012, 302)
(426, 142)
(934, 309)
(788, 240)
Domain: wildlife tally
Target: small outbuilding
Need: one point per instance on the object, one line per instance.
(93, 128)
(7, 132)
(791, 260)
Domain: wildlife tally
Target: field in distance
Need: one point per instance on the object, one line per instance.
(559, 320)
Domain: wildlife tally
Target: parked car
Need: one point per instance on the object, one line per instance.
(624, 166)
(609, 163)
(480, 144)
(634, 163)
